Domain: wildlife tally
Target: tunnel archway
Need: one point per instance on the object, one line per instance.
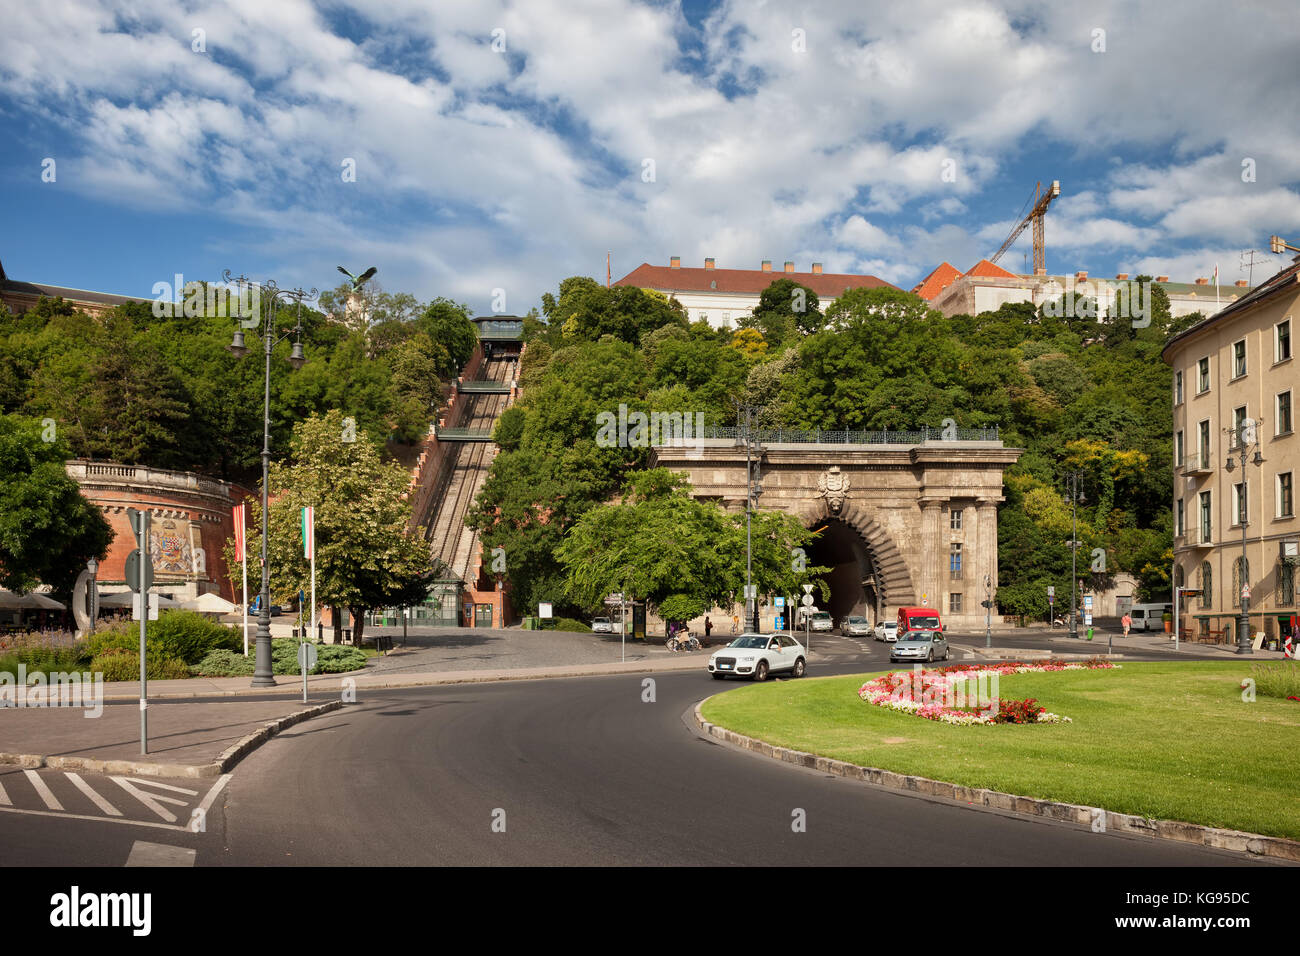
(868, 575)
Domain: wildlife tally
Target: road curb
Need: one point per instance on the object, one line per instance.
(228, 758)
(1102, 821)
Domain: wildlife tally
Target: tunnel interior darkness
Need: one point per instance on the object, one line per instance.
(853, 591)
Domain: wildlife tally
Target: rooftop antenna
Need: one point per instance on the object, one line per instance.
(1248, 261)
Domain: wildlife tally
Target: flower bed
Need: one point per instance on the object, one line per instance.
(966, 694)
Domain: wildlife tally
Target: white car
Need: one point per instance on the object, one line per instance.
(601, 625)
(887, 631)
(821, 621)
(758, 655)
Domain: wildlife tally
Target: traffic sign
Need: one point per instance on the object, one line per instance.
(1087, 602)
(780, 603)
(307, 655)
(780, 623)
(807, 589)
(133, 572)
(1051, 591)
(136, 609)
(806, 600)
(751, 592)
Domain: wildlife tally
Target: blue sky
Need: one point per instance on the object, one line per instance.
(507, 145)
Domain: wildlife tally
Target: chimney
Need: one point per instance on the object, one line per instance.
(1080, 276)
(1201, 280)
(767, 265)
(1121, 275)
(789, 266)
(817, 268)
(675, 262)
(1162, 278)
(708, 263)
(1241, 283)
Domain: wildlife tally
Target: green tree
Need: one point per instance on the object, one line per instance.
(48, 530)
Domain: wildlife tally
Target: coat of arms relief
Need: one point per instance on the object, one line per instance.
(833, 485)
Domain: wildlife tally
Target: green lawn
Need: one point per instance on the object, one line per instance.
(1172, 741)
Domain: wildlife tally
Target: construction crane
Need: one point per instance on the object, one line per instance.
(1042, 199)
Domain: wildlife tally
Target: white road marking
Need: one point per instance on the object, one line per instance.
(4, 797)
(86, 816)
(44, 791)
(152, 800)
(160, 854)
(212, 794)
(95, 798)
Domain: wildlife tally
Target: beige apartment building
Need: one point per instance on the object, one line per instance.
(1238, 364)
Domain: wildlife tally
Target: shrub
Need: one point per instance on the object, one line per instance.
(1018, 711)
(1277, 679)
(118, 664)
(184, 635)
(224, 663)
(566, 624)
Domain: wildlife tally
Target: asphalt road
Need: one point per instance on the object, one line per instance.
(572, 772)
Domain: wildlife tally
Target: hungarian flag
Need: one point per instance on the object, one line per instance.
(240, 542)
(1216, 273)
(308, 532)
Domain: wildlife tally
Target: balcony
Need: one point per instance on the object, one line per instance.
(1197, 465)
(1196, 538)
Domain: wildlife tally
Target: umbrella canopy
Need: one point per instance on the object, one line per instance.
(31, 600)
(208, 603)
(125, 599)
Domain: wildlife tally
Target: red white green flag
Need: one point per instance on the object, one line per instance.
(308, 532)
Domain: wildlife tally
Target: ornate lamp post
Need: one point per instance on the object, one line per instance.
(263, 676)
(1075, 498)
(1244, 436)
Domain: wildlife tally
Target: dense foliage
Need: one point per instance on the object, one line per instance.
(1076, 393)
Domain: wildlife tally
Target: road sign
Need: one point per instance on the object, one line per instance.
(136, 610)
(780, 623)
(1245, 592)
(751, 592)
(780, 603)
(1051, 592)
(1087, 602)
(133, 572)
(307, 655)
(806, 600)
(807, 589)
(1087, 619)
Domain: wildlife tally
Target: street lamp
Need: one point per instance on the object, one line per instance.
(263, 676)
(1075, 497)
(92, 593)
(1244, 435)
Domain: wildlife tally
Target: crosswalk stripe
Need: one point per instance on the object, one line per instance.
(167, 786)
(147, 799)
(50, 800)
(160, 854)
(95, 798)
(4, 797)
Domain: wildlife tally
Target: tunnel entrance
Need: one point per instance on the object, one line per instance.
(853, 578)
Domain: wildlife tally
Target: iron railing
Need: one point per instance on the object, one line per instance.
(886, 436)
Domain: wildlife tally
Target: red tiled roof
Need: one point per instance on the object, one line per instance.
(743, 281)
(990, 270)
(936, 281)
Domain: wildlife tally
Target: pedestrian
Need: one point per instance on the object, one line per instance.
(1126, 622)
(708, 627)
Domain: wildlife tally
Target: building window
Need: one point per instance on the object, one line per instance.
(1178, 518)
(1204, 448)
(1240, 575)
(1285, 496)
(954, 603)
(1285, 584)
(954, 519)
(1202, 376)
(1178, 388)
(1205, 517)
(1178, 447)
(726, 320)
(1284, 413)
(1240, 502)
(954, 562)
(1239, 359)
(1238, 416)
(1207, 585)
(1283, 340)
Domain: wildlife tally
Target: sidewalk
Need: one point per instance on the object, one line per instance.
(190, 736)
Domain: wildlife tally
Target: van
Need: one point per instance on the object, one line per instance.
(1149, 617)
(918, 619)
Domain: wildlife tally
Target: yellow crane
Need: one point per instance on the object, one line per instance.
(1042, 199)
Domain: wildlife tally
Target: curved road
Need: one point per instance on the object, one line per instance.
(585, 772)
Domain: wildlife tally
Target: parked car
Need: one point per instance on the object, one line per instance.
(602, 625)
(887, 631)
(854, 626)
(821, 621)
(757, 656)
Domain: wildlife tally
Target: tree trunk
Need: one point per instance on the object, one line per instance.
(337, 617)
(358, 624)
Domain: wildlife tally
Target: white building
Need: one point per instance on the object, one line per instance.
(722, 296)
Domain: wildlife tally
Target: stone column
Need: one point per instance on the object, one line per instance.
(930, 563)
(986, 543)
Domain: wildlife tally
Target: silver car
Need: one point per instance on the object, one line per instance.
(919, 646)
(854, 626)
(602, 625)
